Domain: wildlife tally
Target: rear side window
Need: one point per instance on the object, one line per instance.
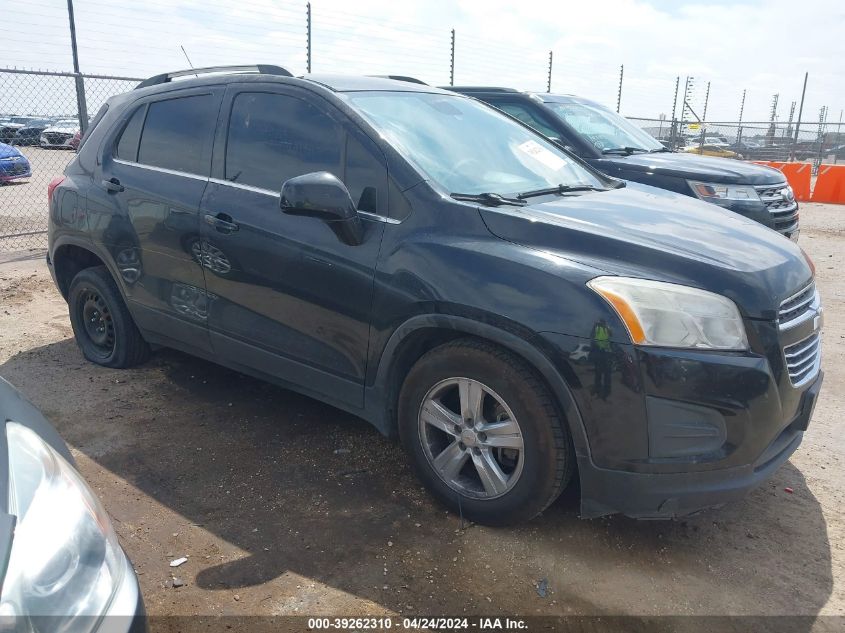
(127, 146)
(177, 134)
(275, 137)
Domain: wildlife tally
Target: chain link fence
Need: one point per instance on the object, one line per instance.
(41, 114)
(813, 142)
(39, 121)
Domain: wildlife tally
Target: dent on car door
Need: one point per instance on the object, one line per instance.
(146, 212)
(290, 298)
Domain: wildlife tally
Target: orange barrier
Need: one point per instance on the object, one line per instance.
(797, 175)
(830, 185)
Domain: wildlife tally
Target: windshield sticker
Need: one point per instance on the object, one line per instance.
(541, 154)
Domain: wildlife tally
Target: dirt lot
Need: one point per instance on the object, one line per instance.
(288, 506)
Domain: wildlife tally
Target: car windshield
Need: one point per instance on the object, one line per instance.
(467, 147)
(603, 128)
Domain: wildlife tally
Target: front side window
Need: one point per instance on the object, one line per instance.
(274, 137)
(467, 147)
(178, 134)
(606, 130)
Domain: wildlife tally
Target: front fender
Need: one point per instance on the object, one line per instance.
(380, 396)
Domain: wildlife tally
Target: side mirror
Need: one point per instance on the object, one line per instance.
(322, 195)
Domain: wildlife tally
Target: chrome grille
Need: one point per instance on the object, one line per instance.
(798, 304)
(803, 359)
(782, 206)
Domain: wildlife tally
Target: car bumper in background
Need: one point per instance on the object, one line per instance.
(126, 613)
(19, 170)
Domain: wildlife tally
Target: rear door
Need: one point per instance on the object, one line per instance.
(145, 208)
(288, 297)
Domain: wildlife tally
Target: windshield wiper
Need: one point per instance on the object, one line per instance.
(489, 199)
(623, 151)
(659, 150)
(558, 189)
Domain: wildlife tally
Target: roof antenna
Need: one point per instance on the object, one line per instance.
(185, 53)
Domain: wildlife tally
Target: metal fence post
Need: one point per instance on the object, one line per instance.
(452, 61)
(619, 93)
(674, 131)
(800, 112)
(549, 80)
(308, 37)
(820, 140)
(739, 123)
(81, 106)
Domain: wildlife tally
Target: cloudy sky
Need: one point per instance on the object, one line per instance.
(762, 46)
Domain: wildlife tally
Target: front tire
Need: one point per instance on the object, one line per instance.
(483, 433)
(102, 325)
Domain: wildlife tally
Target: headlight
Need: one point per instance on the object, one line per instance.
(713, 192)
(670, 315)
(65, 560)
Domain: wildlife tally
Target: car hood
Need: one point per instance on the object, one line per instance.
(692, 167)
(645, 232)
(8, 150)
(62, 130)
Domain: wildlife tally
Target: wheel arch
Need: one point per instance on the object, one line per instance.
(69, 258)
(421, 333)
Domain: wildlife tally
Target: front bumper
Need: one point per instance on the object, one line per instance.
(126, 612)
(17, 169)
(671, 495)
(666, 433)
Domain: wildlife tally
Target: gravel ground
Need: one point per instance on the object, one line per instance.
(286, 506)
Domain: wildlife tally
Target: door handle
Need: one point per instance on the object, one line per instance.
(221, 222)
(112, 185)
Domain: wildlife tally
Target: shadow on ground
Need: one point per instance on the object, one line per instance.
(305, 488)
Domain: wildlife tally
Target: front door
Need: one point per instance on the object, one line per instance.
(286, 296)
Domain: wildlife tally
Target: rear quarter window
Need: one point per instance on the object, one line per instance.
(130, 137)
(94, 122)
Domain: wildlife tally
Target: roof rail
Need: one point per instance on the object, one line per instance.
(410, 80)
(262, 69)
(480, 89)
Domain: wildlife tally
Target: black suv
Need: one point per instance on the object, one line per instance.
(445, 272)
(614, 145)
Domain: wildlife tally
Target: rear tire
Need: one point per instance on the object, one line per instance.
(102, 325)
(483, 433)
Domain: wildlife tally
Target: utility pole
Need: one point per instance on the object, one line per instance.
(549, 81)
(706, 100)
(81, 106)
